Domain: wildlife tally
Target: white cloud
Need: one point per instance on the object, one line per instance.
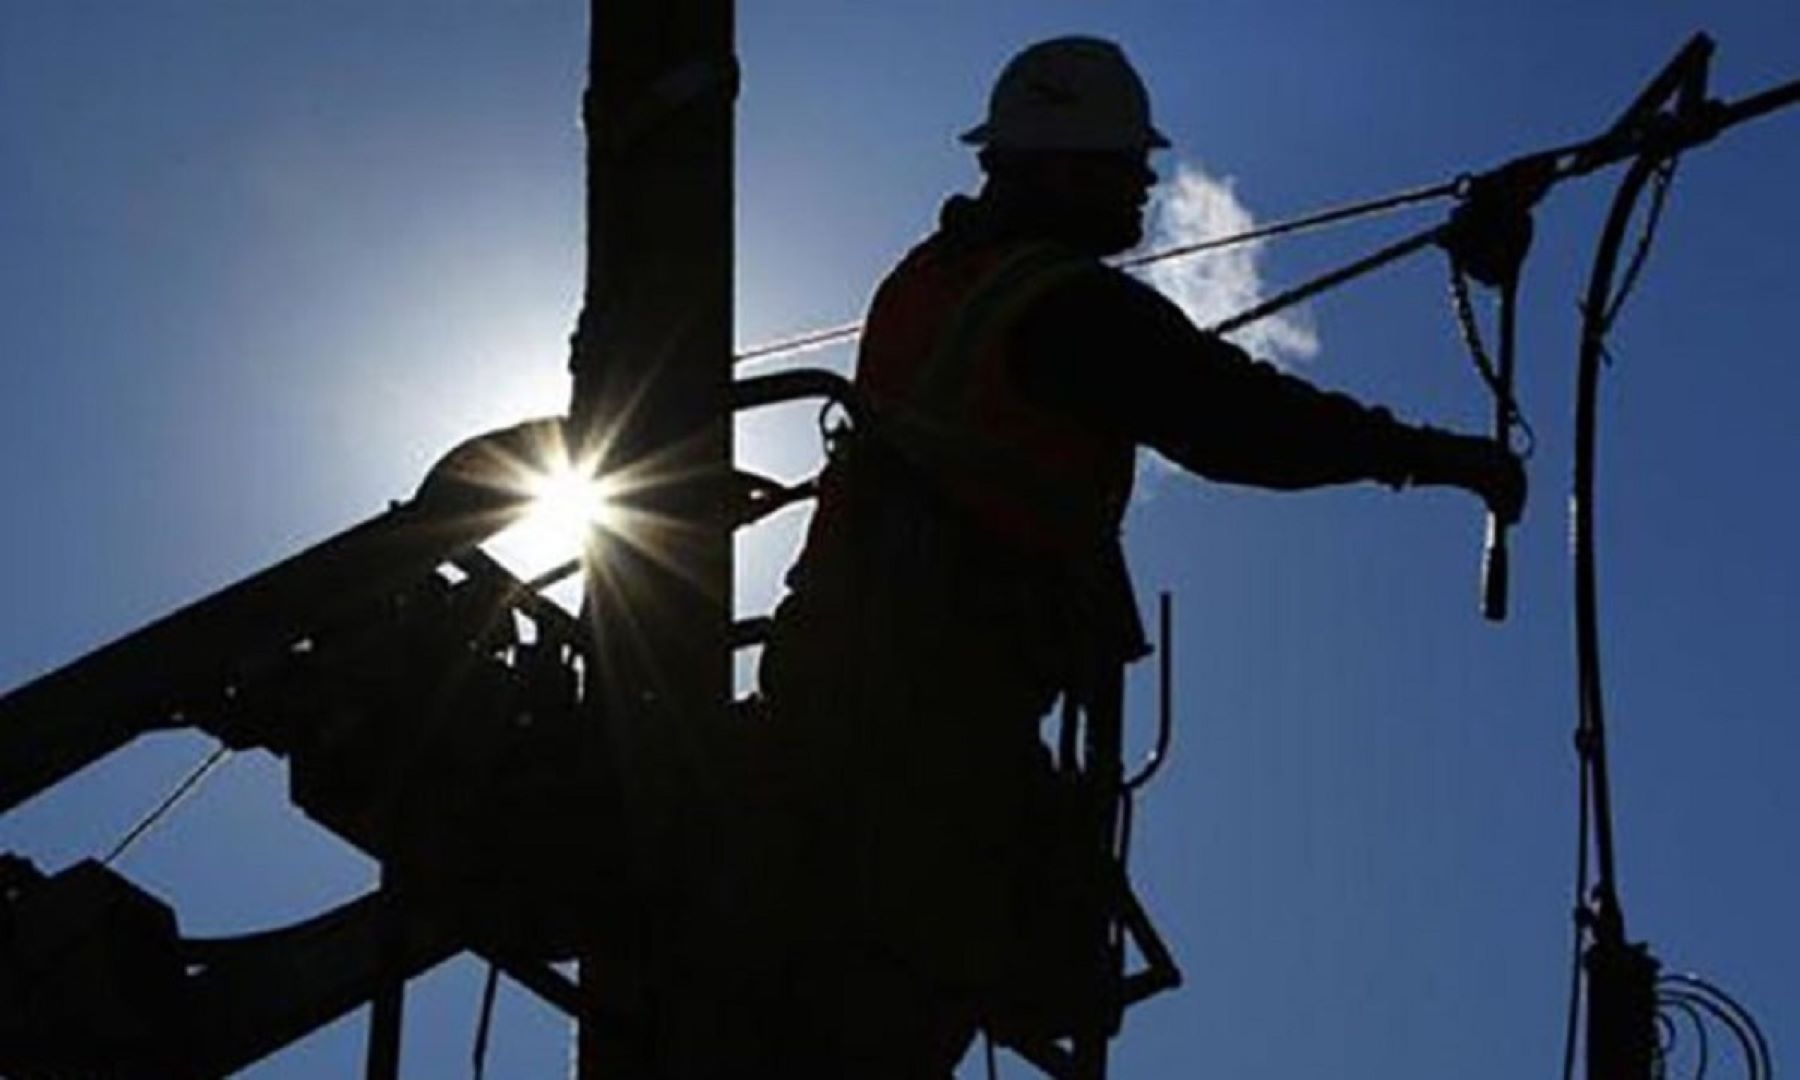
(1194, 205)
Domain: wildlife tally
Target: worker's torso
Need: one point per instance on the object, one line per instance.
(963, 506)
(938, 367)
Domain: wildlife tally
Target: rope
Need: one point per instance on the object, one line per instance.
(181, 790)
(816, 339)
(1484, 363)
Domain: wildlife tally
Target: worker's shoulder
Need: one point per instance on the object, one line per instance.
(1078, 285)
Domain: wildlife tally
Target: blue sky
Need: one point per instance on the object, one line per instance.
(264, 262)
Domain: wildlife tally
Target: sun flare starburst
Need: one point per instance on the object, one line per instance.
(568, 504)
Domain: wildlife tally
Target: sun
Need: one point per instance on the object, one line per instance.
(569, 504)
(561, 508)
(570, 501)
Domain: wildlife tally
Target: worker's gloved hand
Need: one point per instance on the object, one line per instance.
(1476, 464)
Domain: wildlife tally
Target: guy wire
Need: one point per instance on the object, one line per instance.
(1332, 215)
(484, 1020)
(813, 339)
(180, 791)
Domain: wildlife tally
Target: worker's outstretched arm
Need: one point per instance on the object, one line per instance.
(1114, 352)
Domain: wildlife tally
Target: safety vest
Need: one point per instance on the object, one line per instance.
(936, 365)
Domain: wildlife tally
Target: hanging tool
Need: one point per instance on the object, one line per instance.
(1487, 238)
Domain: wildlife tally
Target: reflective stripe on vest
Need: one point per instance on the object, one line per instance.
(1042, 480)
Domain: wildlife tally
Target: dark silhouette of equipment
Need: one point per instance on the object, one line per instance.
(1627, 1000)
(535, 785)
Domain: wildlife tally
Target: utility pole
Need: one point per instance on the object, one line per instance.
(651, 362)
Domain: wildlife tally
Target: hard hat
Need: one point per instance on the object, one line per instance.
(1068, 93)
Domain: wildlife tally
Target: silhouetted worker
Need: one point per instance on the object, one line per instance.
(964, 568)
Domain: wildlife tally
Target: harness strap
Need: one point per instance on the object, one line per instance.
(934, 424)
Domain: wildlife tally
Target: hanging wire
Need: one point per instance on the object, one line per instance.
(1583, 827)
(1595, 824)
(181, 790)
(484, 1019)
(1659, 192)
(1756, 1066)
(1697, 1022)
(1691, 992)
(1601, 916)
(1660, 180)
(1667, 1038)
(1600, 306)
